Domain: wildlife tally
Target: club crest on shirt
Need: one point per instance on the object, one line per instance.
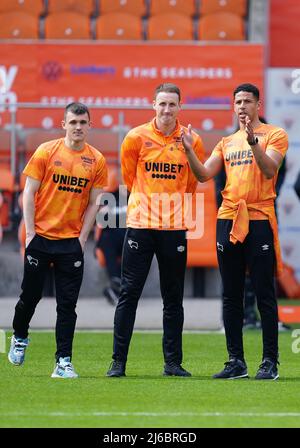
(87, 160)
(87, 163)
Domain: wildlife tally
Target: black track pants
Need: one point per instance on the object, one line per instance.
(140, 245)
(257, 254)
(67, 259)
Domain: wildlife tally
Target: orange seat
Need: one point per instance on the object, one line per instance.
(170, 26)
(186, 7)
(134, 7)
(6, 180)
(5, 152)
(106, 142)
(67, 25)
(238, 7)
(119, 26)
(202, 251)
(35, 138)
(86, 7)
(5, 210)
(7, 186)
(34, 7)
(18, 25)
(221, 26)
(32, 140)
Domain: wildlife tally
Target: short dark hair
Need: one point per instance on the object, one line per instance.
(77, 109)
(167, 87)
(251, 88)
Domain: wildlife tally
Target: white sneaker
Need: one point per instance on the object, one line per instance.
(16, 354)
(64, 369)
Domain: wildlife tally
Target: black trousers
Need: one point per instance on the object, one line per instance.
(67, 259)
(140, 245)
(257, 255)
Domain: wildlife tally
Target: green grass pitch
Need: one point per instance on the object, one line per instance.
(146, 399)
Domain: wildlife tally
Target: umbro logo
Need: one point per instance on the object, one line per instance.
(220, 247)
(180, 248)
(265, 247)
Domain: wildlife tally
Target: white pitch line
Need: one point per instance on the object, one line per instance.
(151, 414)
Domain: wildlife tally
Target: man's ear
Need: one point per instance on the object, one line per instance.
(258, 104)
(63, 124)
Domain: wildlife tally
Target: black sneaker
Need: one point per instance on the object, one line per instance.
(234, 369)
(117, 368)
(172, 369)
(267, 370)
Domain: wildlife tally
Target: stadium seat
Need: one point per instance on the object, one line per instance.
(221, 26)
(238, 7)
(67, 25)
(18, 25)
(7, 185)
(106, 142)
(119, 26)
(202, 251)
(5, 152)
(34, 7)
(33, 139)
(134, 7)
(7, 181)
(170, 26)
(86, 7)
(186, 7)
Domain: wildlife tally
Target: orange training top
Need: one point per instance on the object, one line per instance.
(248, 194)
(155, 169)
(66, 177)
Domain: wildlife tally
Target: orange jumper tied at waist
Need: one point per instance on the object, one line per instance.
(240, 225)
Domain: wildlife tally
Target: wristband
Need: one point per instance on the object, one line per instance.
(254, 142)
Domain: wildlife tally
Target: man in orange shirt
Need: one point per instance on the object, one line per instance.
(64, 179)
(247, 235)
(157, 174)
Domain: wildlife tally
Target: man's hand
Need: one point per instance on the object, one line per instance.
(187, 138)
(29, 238)
(82, 243)
(249, 130)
